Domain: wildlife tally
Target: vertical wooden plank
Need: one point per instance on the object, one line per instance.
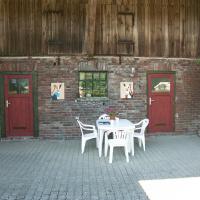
(128, 27)
(31, 37)
(193, 28)
(90, 27)
(147, 50)
(75, 27)
(177, 29)
(44, 27)
(182, 30)
(108, 28)
(171, 27)
(135, 31)
(121, 20)
(67, 25)
(152, 28)
(38, 21)
(113, 29)
(187, 31)
(198, 29)
(165, 28)
(159, 33)
(27, 31)
(11, 27)
(104, 30)
(1, 27)
(141, 20)
(121, 26)
(98, 41)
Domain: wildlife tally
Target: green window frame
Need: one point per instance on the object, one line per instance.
(93, 84)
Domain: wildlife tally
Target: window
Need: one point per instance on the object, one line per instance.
(93, 84)
(18, 86)
(160, 85)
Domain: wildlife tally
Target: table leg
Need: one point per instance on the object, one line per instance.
(100, 142)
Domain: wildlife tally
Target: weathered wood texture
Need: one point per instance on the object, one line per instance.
(168, 28)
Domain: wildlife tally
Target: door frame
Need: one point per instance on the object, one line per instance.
(34, 96)
(147, 91)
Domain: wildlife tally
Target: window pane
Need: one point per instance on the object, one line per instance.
(82, 76)
(160, 85)
(88, 93)
(102, 84)
(89, 85)
(95, 85)
(96, 76)
(81, 84)
(23, 85)
(103, 76)
(88, 76)
(13, 89)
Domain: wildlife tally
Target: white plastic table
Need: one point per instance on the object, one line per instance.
(103, 125)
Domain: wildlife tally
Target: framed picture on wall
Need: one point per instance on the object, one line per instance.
(57, 91)
(126, 90)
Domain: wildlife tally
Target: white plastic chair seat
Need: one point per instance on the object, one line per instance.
(120, 139)
(90, 135)
(139, 132)
(88, 132)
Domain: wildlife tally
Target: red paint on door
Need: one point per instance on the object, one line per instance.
(18, 105)
(161, 102)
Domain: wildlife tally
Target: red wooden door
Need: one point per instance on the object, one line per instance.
(161, 102)
(18, 105)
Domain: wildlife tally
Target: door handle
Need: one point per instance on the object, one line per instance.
(151, 100)
(7, 103)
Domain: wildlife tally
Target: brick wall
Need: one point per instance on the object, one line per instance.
(57, 118)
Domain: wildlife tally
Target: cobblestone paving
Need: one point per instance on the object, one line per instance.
(56, 170)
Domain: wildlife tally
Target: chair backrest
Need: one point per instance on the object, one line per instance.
(119, 134)
(104, 116)
(141, 126)
(85, 127)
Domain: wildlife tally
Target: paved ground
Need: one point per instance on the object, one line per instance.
(46, 169)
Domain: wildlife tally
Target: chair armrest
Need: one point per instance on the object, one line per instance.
(89, 128)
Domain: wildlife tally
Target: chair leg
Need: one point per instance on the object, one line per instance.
(143, 142)
(111, 154)
(83, 145)
(139, 141)
(106, 146)
(126, 153)
(97, 142)
(132, 146)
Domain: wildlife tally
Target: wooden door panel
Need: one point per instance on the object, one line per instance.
(161, 102)
(19, 122)
(160, 118)
(19, 105)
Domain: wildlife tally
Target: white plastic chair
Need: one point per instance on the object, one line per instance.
(88, 132)
(120, 139)
(139, 132)
(104, 116)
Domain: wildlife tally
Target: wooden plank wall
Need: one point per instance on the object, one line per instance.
(163, 28)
